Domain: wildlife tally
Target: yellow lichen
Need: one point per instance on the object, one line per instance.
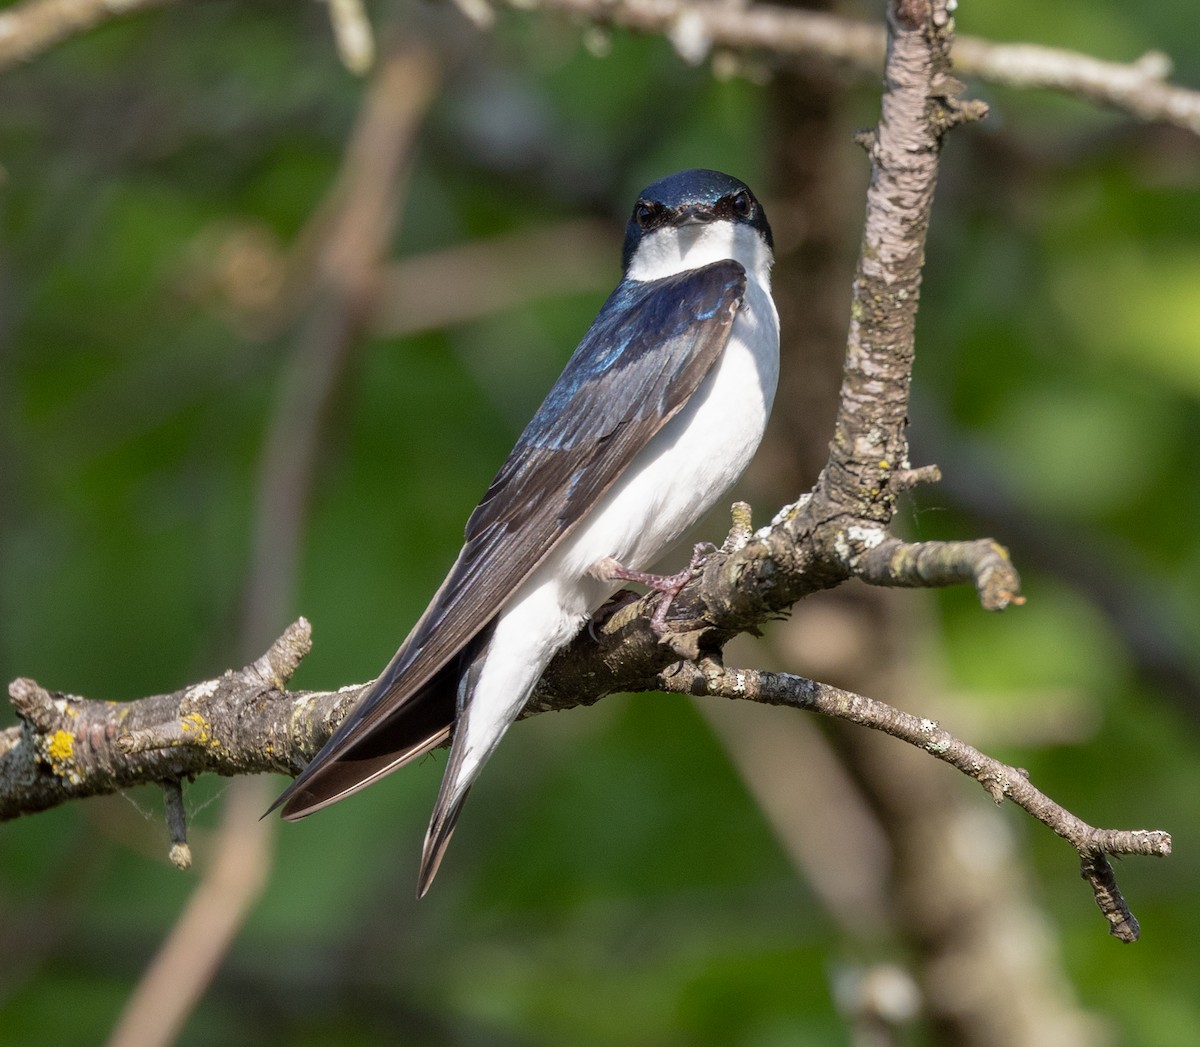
(195, 723)
(61, 750)
(61, 746)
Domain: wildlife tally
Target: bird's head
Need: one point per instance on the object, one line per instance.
(692, 218)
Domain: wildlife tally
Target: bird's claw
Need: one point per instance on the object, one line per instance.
(668, 586)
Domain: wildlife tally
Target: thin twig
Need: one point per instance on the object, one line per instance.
(181, 853)
(167, 993)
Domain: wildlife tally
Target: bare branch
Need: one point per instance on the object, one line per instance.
(1138, 88)
(697, 29)
(764, 28)
(1000, 780)
(29, 28)
(188, 960)
(561, 259)
(353, 35)
(68, 747)
(927, 565)
(356, 221)
(245, 723)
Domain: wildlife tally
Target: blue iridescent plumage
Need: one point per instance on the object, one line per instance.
(624, 350)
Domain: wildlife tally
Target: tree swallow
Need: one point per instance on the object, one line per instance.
(656, 415)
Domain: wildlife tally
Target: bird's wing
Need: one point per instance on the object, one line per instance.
(645, 354)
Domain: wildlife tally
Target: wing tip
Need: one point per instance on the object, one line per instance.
(291, 802)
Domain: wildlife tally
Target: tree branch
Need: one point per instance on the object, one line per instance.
(927, 565)
(246, 722)
(68, 748)
(29, 28)
(1000, 780)
(698, 27)
(1138, 88)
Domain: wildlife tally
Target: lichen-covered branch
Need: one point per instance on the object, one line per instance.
(246, 722)
(928, 565)
(68, 747)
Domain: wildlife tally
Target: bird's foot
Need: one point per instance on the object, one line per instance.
(668, 586)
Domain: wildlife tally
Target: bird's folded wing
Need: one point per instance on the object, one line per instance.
(642, 359)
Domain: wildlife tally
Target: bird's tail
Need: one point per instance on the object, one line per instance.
(477, 732)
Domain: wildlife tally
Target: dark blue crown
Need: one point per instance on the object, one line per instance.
(696, 188)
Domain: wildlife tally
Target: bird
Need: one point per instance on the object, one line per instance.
(655, 416)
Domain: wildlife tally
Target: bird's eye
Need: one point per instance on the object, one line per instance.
(646, 214)
(743, 203)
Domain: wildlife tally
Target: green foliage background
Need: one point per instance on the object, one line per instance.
(612, 882)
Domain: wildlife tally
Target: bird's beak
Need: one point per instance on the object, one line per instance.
(694, 214)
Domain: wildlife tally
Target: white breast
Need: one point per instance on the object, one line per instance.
(694, 459)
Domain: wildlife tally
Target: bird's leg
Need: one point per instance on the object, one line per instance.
(668, 586)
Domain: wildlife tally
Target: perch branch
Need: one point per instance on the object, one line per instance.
(232, 715)
(68, 748)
